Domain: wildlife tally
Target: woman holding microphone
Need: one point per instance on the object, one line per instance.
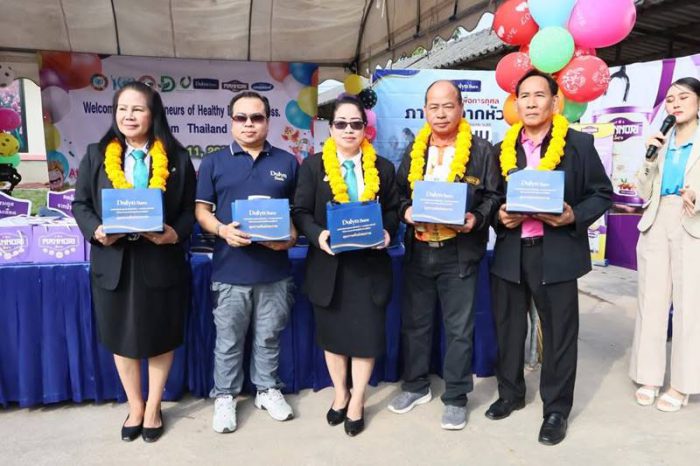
(668, 256)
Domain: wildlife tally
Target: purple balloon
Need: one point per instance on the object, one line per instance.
(592, 29)
(9, 119)
(48, 77)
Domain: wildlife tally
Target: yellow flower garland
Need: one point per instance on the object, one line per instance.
(458, 167)
(370, 174)
(555, 150)
(115, 172)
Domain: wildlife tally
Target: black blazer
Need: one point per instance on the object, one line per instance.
(484, 200)
(309, 213)
(161, 266)
(587, 190)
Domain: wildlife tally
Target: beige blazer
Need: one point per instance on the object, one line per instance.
(649, 179)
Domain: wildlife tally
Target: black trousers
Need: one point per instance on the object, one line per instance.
(557, 306)
(432, 274)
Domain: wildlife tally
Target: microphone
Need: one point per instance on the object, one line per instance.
(666, 126)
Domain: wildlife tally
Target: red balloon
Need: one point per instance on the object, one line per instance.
(59, 62)
(513, 23)
(584, 79)
(510, 69)
(278, 70)
(525, 48)
(583, 52)
(370, 132)
(82, 67)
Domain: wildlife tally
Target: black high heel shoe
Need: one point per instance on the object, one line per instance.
(335, 417)
(352, 428)
(131, 433)
(151, 434)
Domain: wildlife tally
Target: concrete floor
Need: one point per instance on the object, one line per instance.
(606, 425)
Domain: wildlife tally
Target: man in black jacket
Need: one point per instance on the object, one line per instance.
(441, 261)
(541, 257)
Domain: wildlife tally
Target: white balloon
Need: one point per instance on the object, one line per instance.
(7, 75)
(55, 101)
(292, 87)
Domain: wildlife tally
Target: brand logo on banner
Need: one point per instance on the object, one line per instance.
(234, 86)
(467, 85)
(11, 206)
(61, 201)
(625, 129)
(262, 87)
(206, 83)
(99, 82)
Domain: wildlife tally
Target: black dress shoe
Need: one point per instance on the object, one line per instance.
(352, 428)
(501, 409)
(129, 434)
(335, 417)
(151, 434)
(553, 429)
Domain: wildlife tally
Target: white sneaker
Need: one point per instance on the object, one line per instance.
(273, 401)
(224, 414)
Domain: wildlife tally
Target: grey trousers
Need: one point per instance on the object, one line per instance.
(268, 306)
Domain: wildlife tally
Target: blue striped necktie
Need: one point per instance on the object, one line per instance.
(140, 169)
(351, 180)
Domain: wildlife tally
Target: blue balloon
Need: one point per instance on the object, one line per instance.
(303, 72)
(296, 116)
(551, 12)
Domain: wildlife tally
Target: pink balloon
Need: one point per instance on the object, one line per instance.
(510, 69)
(278, 70)
(370, 132)
(9, 119)
(371, 117)
(593, 29)
(49, 77)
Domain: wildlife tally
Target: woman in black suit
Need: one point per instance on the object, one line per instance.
(139, 282)
(350, 290)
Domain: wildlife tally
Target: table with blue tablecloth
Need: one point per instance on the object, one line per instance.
(49, 351)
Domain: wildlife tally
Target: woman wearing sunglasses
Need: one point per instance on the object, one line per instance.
(349, 290)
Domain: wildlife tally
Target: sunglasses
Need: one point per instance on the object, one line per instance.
(255, 118)
(341, 125)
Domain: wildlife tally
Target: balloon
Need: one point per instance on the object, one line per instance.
(525, 48)
(371, 117)
(48, 77)
(370, 133)
(52, 137)
(8, 144)
(595, 29)
(7, 75)
(291, 86)
(560, 101)
(314, 78)
(510, 110)
(13, 159)
(278, 70)
(82, 67)
(510, 69)
(303, 72)
(584, 79)
(308, 100)
(583, 51)
(551, 12)
(551, 49)
(353, 84)
(9, 119)
(59, 62)
(513, 23)
(56, 101)
(368, 97)
(573, 110)
(296, 116)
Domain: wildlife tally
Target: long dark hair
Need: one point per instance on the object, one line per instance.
(159, 123)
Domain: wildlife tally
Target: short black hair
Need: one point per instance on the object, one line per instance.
(451, 83)
(351, 101)
(689, 83)
(551, 83)
(249, 95)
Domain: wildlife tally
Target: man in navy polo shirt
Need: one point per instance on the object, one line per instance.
(249, 280)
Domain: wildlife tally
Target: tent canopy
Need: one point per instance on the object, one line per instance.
(338, 34)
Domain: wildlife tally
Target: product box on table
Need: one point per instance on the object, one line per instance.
(132, 210)
(57, 241)
(263, 219)
(439, 202)
(15, 242)
(535, 192)
(354, 225)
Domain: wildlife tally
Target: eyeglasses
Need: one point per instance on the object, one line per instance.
(255, 118)
(341, 125)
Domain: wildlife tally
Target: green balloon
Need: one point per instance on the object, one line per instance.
(10, 160)
(573, 110)
(551, 49)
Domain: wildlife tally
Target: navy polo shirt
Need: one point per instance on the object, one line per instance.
(231, 174)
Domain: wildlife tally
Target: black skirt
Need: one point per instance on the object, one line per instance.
(352, 325)
(137, 321)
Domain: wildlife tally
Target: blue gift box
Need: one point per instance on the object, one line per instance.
(439, 202)
(354, 225)
(132, 210)
(535, 191)
(263, 219)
